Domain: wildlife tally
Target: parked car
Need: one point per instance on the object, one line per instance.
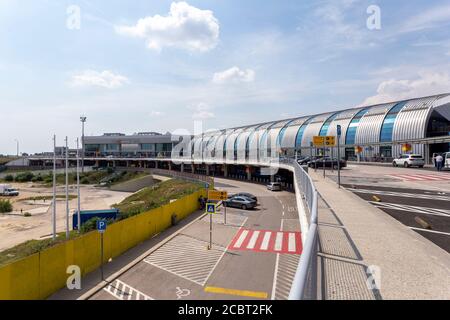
(328, 162)
(7, 191)
(240, 202)
(409, 160)
(274, 186)
(244, 194)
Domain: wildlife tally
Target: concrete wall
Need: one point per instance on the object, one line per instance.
(40, 275)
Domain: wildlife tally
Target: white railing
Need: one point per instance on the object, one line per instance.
(304, 286)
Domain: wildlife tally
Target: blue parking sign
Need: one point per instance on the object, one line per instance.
(101, 226)
(339, 130)
(211, 208)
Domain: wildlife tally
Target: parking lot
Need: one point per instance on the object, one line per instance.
(418, 198)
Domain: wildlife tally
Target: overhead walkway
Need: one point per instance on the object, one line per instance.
(361, 245)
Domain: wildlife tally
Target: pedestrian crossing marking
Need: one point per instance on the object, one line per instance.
(123, 291)
(267, 241)
(422, 177)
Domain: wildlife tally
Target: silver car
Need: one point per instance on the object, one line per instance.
(274, 186)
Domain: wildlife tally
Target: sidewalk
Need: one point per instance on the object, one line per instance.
(355, 235)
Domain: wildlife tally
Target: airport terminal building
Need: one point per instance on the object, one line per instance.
(372, 133)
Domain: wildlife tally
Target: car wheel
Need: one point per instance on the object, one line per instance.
(244, 207)
(406, 165)
(394, 164)
(420, 166)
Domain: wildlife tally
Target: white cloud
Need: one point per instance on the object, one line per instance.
(431, 18)
(234, 75)
(185, 27)
(428, 83)
(201, 111)
(105, 79)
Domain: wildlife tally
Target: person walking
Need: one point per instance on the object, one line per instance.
(439, 160)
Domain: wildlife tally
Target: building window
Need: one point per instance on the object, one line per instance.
(324, 130)
(148, 146)
(92, 147)
(386, 151)
(350, 137)
(388, 124)
(301, 130)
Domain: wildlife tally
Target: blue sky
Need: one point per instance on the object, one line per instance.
(225, 63)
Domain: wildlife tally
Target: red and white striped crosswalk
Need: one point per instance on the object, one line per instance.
(422, 177)
(267, 241)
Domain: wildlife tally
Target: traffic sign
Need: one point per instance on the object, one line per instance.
(217, 195)
(101, 226)
(211, 208)
(339, 130)
(329, 141)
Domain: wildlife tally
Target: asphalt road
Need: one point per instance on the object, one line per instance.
(253, 256)
(411, 205)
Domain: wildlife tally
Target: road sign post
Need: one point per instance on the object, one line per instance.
(323, 158)
(219, 196)
(101, 228)
(210, 209)
(339, 133)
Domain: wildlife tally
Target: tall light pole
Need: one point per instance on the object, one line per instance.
(83, 121)
(78, 186)
(54, 188)
(17, 146)
(67, 188)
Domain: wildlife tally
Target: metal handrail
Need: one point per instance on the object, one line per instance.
(304, 285)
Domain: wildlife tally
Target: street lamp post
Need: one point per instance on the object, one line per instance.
(54, 188)
(78, 186)
(67, 188)
(17, 146)
(83, 121)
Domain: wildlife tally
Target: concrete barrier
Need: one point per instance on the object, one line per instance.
(41, 274)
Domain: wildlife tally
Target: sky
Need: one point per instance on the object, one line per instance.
(156, 65)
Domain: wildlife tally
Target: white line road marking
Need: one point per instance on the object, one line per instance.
(401, 194)
(279, 241)
(412, 209)
(265, 243)
(252, 242)
(275, 277)
(187, 258)
(432, 231)
(291, 242)
(241, 239)
(125, 289)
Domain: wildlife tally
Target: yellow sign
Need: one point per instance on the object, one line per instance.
(406, 147)
(328, 141)
(217, 195)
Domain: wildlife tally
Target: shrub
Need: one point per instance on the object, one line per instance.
(9, 178)
(24, 177)
(110, 170)
(5, 206)
(27, 214)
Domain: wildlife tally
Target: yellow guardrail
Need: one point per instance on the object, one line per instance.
(41, 274)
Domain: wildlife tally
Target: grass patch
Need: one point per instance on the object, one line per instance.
(30, 247)
(156, 196)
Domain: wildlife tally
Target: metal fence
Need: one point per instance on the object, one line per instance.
(304, 286)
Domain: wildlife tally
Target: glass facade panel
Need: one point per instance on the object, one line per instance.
(388, 124)
(351, 130)
(324, 130)
(301, 130)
